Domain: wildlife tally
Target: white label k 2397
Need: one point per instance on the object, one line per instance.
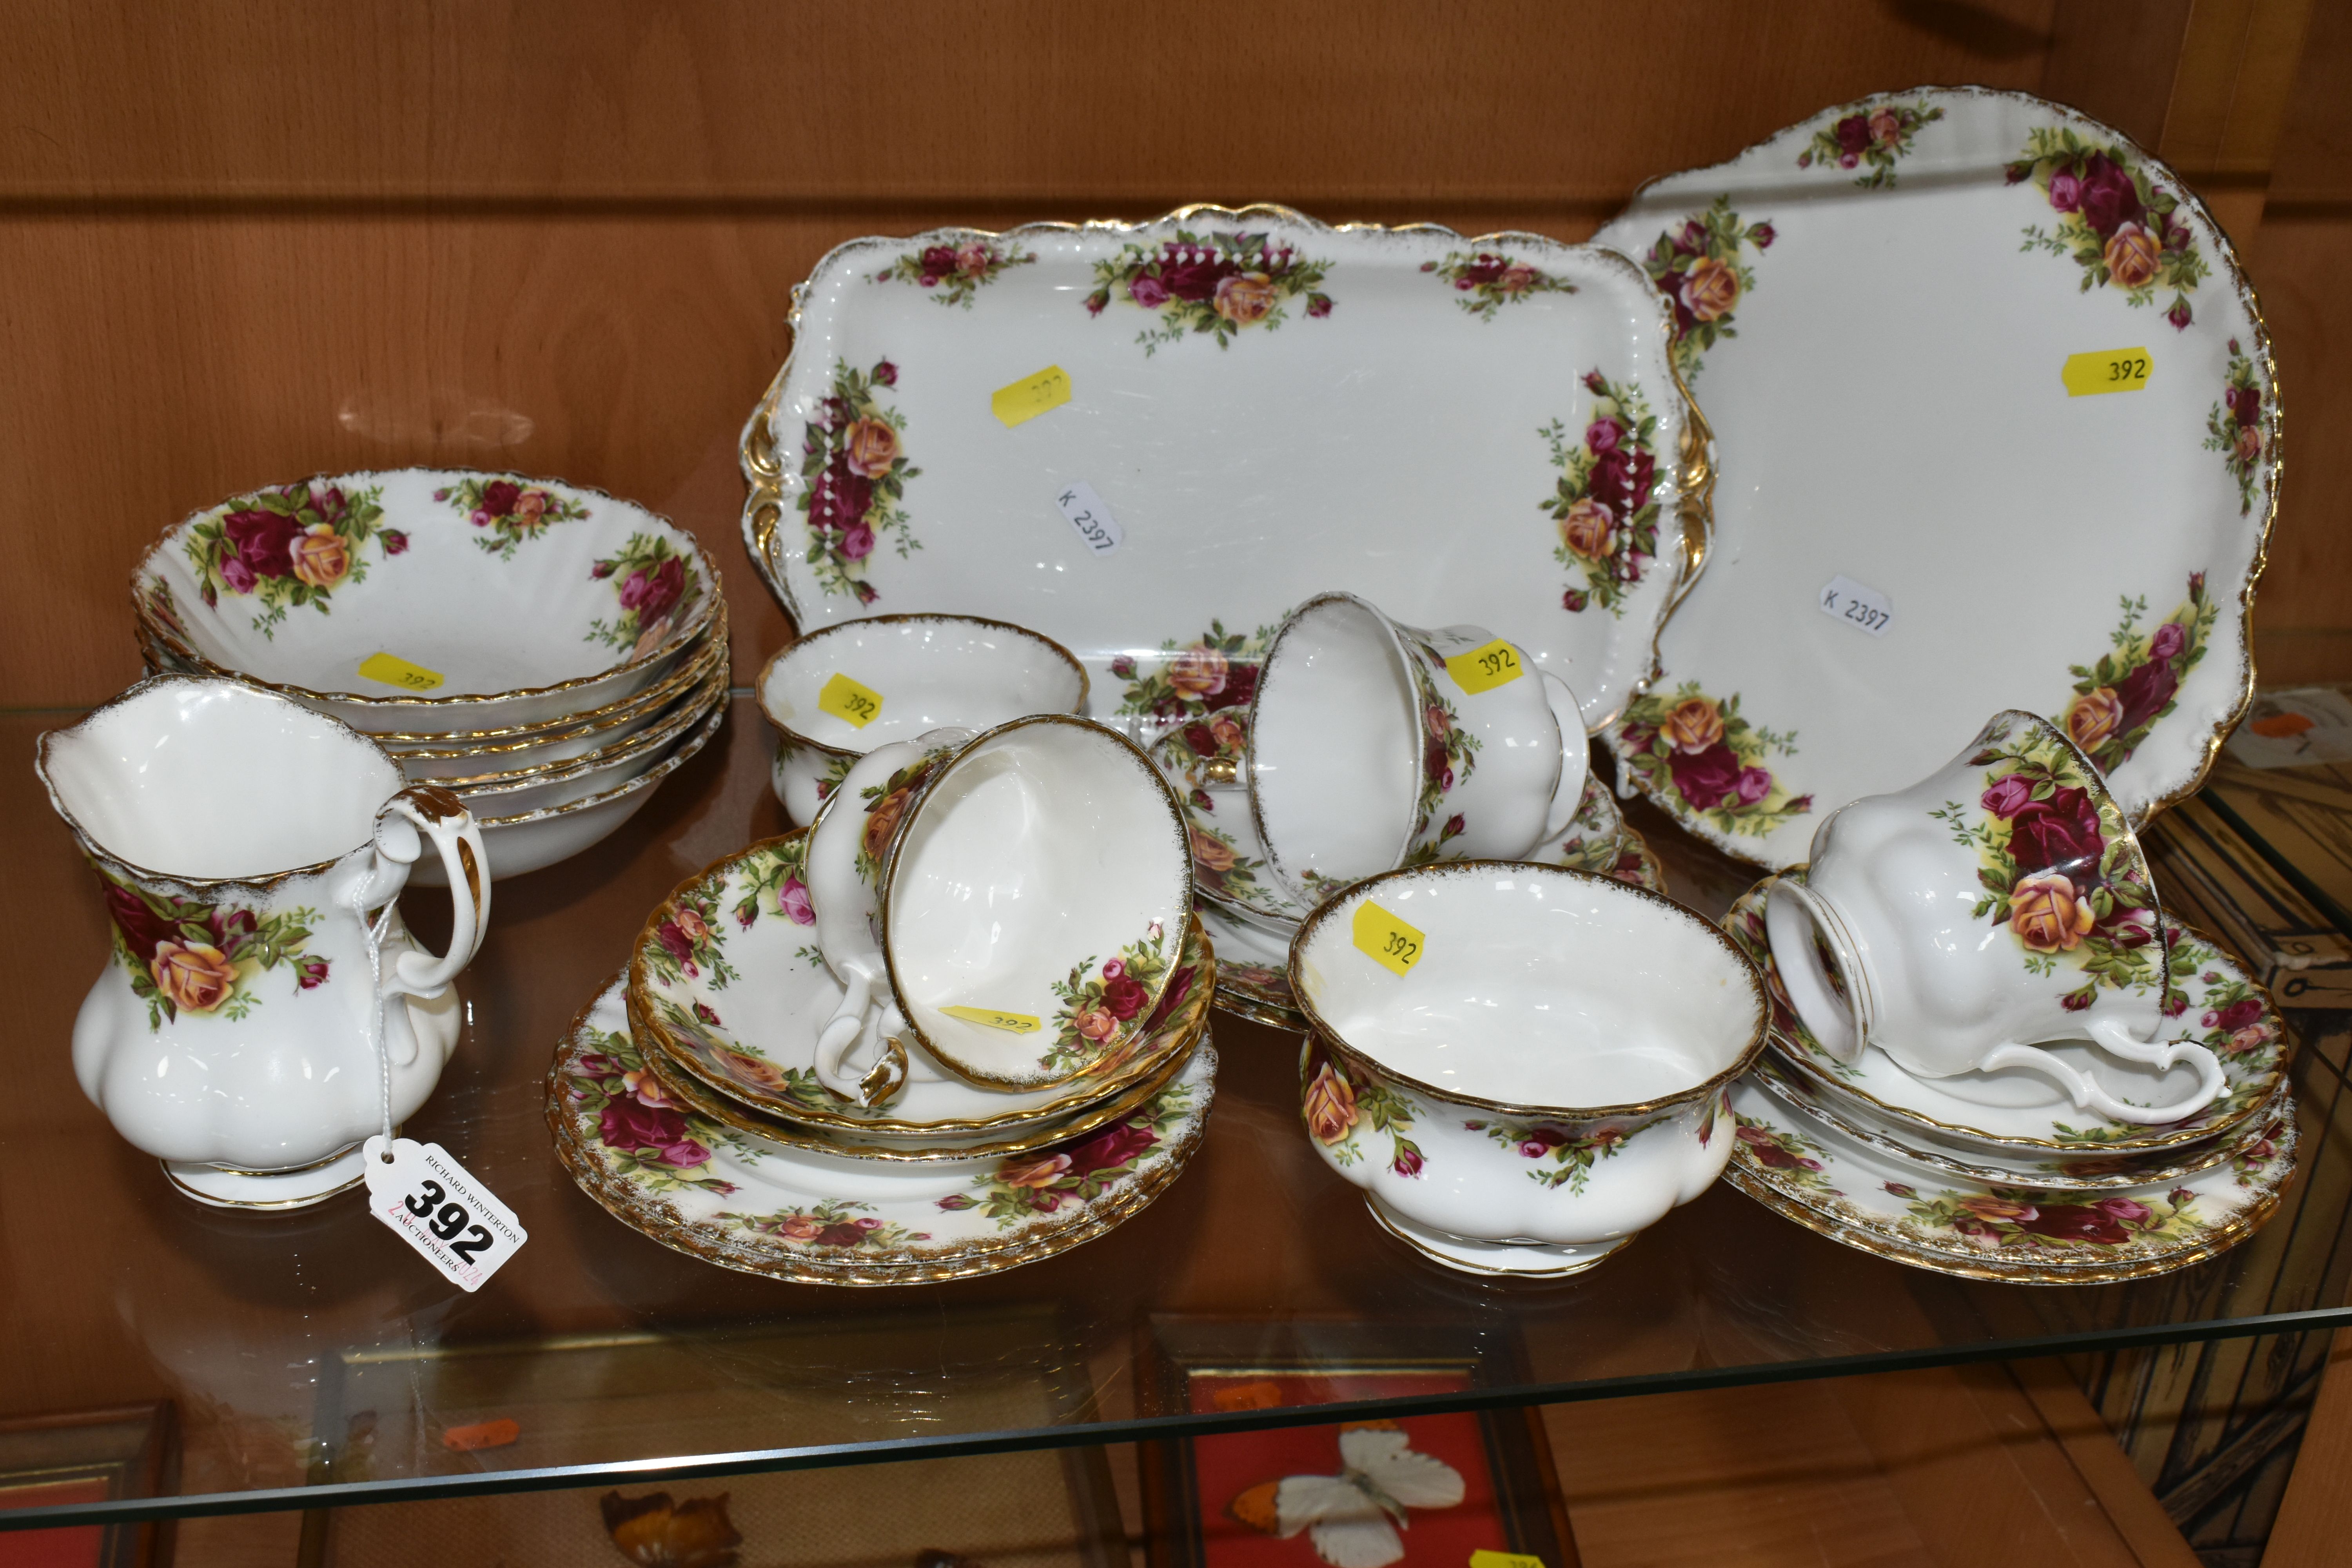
(1859, 605)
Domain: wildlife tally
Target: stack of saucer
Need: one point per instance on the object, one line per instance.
(2149, 1127)
(768, 1089)
(1370, 746)
(548, 653)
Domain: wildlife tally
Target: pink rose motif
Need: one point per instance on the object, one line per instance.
(1753, 785)
(974, 259)
(236, 575)
(2008, 796)
(1318, 305)
(857, 543)
(1601, 436)
(1407, 1161)
(2066, 190)
(2179, 315)
(793, 903)
(1886, 128)
(1113, 968)
(2167, 642)
(2254, 1036)
(394, 542)
(651, 590)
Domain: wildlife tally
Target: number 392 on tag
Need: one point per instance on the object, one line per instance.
(435, 1205)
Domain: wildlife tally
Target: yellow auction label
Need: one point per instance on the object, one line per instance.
(1483, 1558)
(394, 670)
(2110, 370)
(1030, 396)
(995, 1018)
(1385, 939)
(1486, 667)
(845, 698)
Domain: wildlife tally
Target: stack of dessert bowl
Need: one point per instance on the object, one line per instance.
(1369, 745)
(2147, 1125)
(958, 1024)
(548, 654)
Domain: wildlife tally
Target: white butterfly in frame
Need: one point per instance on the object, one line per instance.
(1355, 1518)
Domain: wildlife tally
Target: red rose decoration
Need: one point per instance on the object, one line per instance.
(1197, 275)
(2068, 1222)
(2109, 198)
(498, 496)
(142, 929)
(264, 541)
(1853, 133)
(2146, 691)
(839, 497)
(1707, 778)
(2060, 834)
(1179, 985)
(1110, 1148)
(1124, 997)
(652, 594)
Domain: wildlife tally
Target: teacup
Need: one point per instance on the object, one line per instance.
(1375, 745)
(839, 692)
(1545, 1078)
(2001, 900)
(243, 843)
(1012, 904)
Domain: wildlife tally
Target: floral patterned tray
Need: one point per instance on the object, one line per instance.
(1263, 408)
(700, 1187)
(1877, 309)
(1880, 1203)
(2213, 1001)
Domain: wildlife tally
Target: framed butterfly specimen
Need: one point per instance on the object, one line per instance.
(1418, 1491)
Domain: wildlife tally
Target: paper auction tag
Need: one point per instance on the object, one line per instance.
(1483, 1558)
(1085, 512)
(1030, 396)
(1484, 667)
(2110, 370)
(1386, 940)
(995, 1018)
(394, 670)
(437, 1206)
(1858, 605)
(845, 698)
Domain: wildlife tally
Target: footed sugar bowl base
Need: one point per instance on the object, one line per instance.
(1515, 1260)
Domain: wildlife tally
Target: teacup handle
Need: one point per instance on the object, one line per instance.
(1575, 755)
(2087, 1095)
(440, 816)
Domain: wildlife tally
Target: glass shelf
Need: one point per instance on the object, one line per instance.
(312, 1360)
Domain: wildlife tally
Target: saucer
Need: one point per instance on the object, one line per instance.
(727, 983)
(2215, 1002)
(1880, 1203)
(698, 1187)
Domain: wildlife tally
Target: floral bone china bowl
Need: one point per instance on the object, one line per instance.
(844, 690)
(2069, 304)
(243, 954)
(1522, 1067)
(693, 1185)
(728, 988)
(422, 605)
(2002, 899)
(1024, 425)
(1374, 745)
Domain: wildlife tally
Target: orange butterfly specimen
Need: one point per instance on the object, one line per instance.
(653, 1532)
(1354, 1518)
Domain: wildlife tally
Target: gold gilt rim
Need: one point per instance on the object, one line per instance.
(258, 1206)
(687, 750)
(1338, 1043)
(670, 645)
(1759, 1186)
(698, 1094)
(1796, 1056)
(656, 1039)
(2241, 286)
(260, 886)
(1770, 1075)
(657, 1221)
(794, 737)
(1244, 1002)
(764, 471)
(691, 673)
(692, 709)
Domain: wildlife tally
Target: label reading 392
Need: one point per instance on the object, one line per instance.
(1386, 940)
(435, 1205)
(1486, 667)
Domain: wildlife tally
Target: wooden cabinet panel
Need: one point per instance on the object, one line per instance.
(1322, 99)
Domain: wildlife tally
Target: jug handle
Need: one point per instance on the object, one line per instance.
(440, 816)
